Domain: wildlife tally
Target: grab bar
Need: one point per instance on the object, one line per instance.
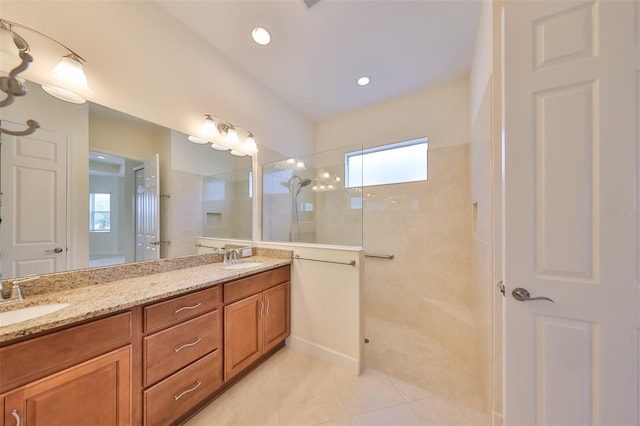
(352, 263)
(211, 247)
(379, 256)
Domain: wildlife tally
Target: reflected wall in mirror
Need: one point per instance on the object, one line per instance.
(227, 202)
(45, 185)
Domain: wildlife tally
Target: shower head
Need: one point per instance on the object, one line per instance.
(305, 182)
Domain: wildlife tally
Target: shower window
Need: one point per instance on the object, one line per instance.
(395, 163)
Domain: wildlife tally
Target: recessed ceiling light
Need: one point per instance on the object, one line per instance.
(364, 80)
(261, 36)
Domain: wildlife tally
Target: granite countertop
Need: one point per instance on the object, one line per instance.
(101, 299)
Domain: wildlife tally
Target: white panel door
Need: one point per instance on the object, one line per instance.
(148, 210)
(33, 184)
(570, 218)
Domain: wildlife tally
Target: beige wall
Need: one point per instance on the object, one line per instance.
(439, 112)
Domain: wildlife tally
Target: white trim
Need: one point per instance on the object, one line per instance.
(325, 354)
(279, 244)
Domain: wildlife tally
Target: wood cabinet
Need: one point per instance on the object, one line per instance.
(153, 364)
(253, 326)
(276, 316)
(182, 362)
(96, 392)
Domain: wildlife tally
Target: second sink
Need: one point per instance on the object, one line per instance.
(242, 265)
(24, 314)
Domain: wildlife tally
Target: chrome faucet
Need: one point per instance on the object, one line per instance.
(230, 256)
(16, 290)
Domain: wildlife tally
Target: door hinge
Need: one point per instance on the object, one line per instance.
(500, 285)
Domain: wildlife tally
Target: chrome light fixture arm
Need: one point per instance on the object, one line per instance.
(11, 85)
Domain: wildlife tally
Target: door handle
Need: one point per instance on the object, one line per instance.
(523, 295)
(55, 250)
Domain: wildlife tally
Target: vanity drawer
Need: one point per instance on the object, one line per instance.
(171, 349)
(173, 397)
(170, 312)
(249, 286)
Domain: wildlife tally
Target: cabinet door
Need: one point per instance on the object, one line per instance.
(97, 392)
(276, 315)
(242, 334)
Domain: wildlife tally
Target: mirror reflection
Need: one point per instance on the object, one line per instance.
(95, 187)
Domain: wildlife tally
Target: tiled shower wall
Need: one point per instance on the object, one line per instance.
(418, 306)
(482, 241)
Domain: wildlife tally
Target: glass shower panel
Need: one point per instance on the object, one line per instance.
(305, 200)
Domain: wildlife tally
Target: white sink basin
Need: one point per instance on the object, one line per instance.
(242, 265)
(23, 314)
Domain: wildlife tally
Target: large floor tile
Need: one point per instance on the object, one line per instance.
(442, 411)
(368, 392)
(400, 415)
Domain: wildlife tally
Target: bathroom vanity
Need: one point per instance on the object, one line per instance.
(167, 345)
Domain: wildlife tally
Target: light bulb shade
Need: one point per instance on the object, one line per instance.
(250, 145)
(237, 153)
(197, 140)
(9, 58)
(232, 136)
(70, 74)
(219, 147)
(64, 94)
(209, 127)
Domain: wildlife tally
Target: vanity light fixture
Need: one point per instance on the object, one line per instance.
(261, 36)
(68, 73)
(224, 136)
(70, 81)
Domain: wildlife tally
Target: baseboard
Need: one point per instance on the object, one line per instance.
(325, 354)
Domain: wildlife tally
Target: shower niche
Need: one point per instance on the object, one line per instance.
(308, 200)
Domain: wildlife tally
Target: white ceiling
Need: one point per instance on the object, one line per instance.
(316, 54)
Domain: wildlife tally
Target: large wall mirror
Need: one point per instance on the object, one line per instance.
(95, 187)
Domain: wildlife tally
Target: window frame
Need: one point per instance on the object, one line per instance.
(93, 211)
(388, 147)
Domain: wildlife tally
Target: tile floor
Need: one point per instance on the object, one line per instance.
(291, 388)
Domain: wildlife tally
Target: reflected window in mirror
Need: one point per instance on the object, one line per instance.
(99, 212)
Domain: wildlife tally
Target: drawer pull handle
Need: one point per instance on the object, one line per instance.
(15, 414)
(177, 397)
(186, 345)
(267, 307)
(188, 307)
